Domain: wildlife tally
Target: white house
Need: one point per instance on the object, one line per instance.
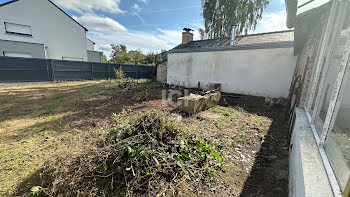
(40, 29)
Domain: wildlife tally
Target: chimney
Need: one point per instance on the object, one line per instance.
(187, 35)
(233, 35)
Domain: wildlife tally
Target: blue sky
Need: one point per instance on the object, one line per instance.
(150, 25)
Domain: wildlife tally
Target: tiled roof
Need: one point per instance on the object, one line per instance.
(244, 40)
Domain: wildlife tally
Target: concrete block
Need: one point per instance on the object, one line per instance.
(196, 103)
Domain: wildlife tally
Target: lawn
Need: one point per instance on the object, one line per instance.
(45, 123)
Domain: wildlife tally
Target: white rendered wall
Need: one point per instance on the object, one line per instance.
(258, 72)
(90, 45)
(50, 26)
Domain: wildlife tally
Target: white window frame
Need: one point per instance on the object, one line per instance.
(78, 59)
(323, 60)
(25, 55)
(18, 33)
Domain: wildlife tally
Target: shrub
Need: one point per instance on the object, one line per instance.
(142, 156)
(119, 74)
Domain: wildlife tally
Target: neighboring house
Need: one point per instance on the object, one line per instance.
(93, 56)
(258, 64)
(320, 143)
(40, 29)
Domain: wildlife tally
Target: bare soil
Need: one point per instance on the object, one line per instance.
(250, 135)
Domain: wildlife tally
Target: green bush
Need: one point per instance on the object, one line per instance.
(119, 74)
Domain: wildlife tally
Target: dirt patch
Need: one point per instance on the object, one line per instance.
(249, 135)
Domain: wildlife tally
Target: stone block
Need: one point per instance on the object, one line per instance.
(196, 103)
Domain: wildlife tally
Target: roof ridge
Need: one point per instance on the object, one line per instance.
(256, 34)
(8, 2)
(55, 6)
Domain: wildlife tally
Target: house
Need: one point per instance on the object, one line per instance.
(40, 29)
(320, 93)
(258, 64)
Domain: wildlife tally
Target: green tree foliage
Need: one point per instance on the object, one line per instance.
(153, 58)
(221, 15)
(202, 33)
(120, 54)
(105, 60)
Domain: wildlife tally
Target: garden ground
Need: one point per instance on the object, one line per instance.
(42, 123)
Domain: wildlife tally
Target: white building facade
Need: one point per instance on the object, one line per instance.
(40, 29)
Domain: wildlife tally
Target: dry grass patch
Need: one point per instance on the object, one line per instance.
(64, 127)
(40, 121)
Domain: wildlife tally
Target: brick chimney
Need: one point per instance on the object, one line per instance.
(187, 35)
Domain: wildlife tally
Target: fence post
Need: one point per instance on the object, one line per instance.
(109, 71)
(92, 71)
(53, 71)
(47, 70)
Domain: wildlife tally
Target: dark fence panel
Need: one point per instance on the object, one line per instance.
(31, 69)
(23, 69)
(101, 71)
(72, 70)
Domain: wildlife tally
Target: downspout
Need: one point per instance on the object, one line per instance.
(45, 52)
(233, 35)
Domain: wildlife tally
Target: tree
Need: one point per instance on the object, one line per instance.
(120, 54)
(221, 15)
(136, 56)
(202, 33)
(105, 59)
(153, 57)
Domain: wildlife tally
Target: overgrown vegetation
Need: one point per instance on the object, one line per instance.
(119, 74)
(60, 123)
(120, 55)
(146, 155)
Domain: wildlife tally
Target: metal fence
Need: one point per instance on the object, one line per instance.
(32, 69)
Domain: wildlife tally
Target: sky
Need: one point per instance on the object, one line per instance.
(150, 25)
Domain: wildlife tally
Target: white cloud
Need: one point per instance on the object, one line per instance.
(143, 1)
(105, 31)
(282, 3)
(99, 23)
(81, 6)
(274, 21)
(136, 7)
(135, 40)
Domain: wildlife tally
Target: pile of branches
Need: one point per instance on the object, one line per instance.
(143, 156)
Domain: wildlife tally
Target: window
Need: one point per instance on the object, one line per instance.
(18, 29)
(337, 144)
(14, 54)
(72, 58)
(329, 98)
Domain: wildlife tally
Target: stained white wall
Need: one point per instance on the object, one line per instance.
(50, 26)
(258, 72)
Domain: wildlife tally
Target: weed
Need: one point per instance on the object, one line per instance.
(38, 191)
(119, 74)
